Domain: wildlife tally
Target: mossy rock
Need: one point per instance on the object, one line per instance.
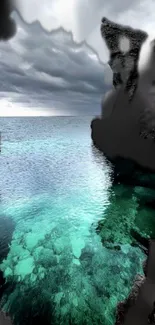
(31, 306)
(118, 219)
(125, 214)
(145, 222)
(128, 172)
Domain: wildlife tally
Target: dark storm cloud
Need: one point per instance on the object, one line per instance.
(7, 24)
(50, 69)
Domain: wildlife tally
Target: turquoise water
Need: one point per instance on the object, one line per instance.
(56, 187)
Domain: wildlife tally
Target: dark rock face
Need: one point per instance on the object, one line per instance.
(126, 128)
(129, 218)
(7, 227)
(2, 279)
(144, 242)
(124, 306)
(5, 319)
(145, 267)
(112, 33)
(125, 170)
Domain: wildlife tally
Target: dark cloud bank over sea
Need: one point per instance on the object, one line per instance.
(49, 71)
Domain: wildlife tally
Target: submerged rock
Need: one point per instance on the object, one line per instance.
(32, 306)
(77, 245)
(32, 239)
(7, 227)
(118, 220)
(76, 261)
(24, 267)
(87, 253)
(125, 221)
(47, 258)
(59, 245)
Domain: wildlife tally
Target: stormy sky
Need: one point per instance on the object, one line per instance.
(46, 70)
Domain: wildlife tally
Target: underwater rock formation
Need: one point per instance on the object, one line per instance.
(126, 221)
(7, 227)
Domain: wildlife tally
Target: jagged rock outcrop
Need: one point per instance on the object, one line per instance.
(123, 63)
(126, 128)
(124, 133)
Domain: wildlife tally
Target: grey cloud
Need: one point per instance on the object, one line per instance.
(51, 69)
(94, 9)
(85, 13)
(83, 17)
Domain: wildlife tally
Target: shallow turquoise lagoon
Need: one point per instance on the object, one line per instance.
(56, 188)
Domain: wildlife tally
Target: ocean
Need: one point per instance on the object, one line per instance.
(54, 188)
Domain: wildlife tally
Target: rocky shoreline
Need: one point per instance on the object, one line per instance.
(129, 218)
(7, 227)
(117, 229)
(124, 306)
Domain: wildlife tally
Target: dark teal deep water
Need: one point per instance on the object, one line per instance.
(56, 187)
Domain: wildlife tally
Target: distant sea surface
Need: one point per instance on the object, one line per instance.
(42, 156)
(55, 187)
